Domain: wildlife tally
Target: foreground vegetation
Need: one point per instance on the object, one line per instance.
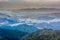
(44, 35)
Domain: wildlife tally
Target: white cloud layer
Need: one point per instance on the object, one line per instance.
(35, 21)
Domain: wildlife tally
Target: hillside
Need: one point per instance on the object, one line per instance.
(44, 35)
(6, 34)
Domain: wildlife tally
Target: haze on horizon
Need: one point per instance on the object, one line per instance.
(29, 3)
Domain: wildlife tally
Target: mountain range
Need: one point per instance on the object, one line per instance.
(11, 29)
(40, 22)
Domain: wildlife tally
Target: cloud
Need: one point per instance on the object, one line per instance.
(4, 0)
(41, 3)
(35, 21)
(40, 0)
(30, 4)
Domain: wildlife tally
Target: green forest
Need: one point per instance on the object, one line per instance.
(38, 35)
(44, 35)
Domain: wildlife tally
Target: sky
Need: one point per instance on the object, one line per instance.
(34, 3)
(4, 0)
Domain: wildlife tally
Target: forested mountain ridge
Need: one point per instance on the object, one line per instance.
(44, 35)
